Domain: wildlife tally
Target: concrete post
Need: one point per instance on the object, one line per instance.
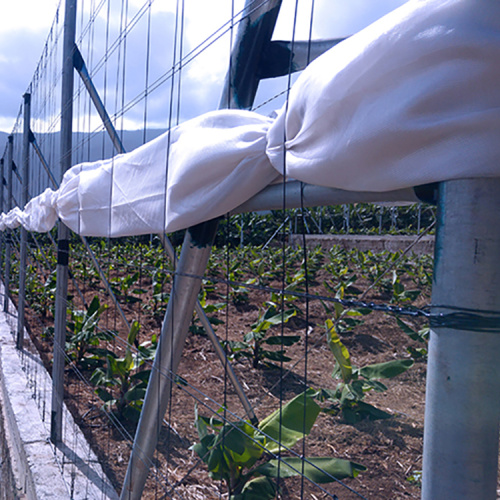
(462, 408)
(2, 208)
(63, 235)
(8, 232)
(24, 234)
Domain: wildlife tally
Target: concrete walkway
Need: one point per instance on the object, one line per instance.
(32, 467)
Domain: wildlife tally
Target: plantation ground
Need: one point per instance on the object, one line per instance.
(390, 449)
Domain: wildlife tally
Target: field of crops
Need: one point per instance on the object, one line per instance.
(289, 321)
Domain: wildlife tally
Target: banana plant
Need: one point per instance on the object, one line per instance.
(245, 456)
(254, 342)
(354, 382)
(83, 336)
(122, 386)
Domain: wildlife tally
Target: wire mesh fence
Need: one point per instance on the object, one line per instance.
(279, 389)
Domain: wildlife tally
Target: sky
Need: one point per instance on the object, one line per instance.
(26, 24)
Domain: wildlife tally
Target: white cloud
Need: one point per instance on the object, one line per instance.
(29, 15)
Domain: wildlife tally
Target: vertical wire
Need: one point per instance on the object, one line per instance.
(105, 76)
(171, 119)
(226, 361)
(146, 83)
(283, 240)
(181, 55)
(124, 67)
(306, 275)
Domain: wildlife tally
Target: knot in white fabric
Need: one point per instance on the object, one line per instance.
(414, 98)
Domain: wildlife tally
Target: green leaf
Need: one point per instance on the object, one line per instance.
(286, 340)
(339, 350)
(238, 441)
(112, 367)
(132, 334)
(93, 306)
(126, 364)
(142, 376)
(385, 370)
(317, 469)
(201, 425)
(248, 337)
(217, 462)
(408, 330)
(260, 488)
(274, 356)
(135, 394)
(130, 413)
(293, 424)
(104, 394)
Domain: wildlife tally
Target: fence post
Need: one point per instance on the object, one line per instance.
(63, 234)
(2, 209)
(462, 408)
(24, 234)
(8, 233)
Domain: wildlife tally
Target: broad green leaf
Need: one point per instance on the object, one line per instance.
(112, 367)
(286, 340)
(317, 469)
(293, 424)
(260, 488)
(200, 423)
(216, 462)
(238, 441)
(134, 330)
(339, 350)
(408, 330)
(93, 306)
(126, 364)
(131, 413)
(385, 370)
(274, 356)
(357, 389)
(375, 384)
(143, 375)
(373, 412)
(248, 337)
(326, 394)
(104, 394)
(135, 394)
(98, 377)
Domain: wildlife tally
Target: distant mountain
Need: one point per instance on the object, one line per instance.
(86, 147)
(3, 142)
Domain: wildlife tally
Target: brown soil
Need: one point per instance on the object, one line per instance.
(390, 449)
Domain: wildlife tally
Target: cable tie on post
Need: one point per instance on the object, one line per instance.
(63, 252)
(473, 320)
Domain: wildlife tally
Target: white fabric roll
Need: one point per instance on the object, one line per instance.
(412, 99)
(215, 162)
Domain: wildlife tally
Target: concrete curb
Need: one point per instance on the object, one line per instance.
(375, 243)
(38, 469)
